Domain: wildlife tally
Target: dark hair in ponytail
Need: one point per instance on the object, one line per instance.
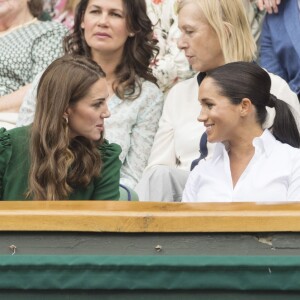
(240, 80)
(284, 122)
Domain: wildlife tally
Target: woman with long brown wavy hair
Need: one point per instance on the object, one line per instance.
(118, 35)
(63, 155)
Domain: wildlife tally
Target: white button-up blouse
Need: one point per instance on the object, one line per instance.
(272, 175)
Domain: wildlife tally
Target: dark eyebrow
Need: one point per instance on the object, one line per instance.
(100, 99)
(93, 6)
(204, 100)
(117, 9)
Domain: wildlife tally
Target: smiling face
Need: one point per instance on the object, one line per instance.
(86, 116)
(105, 27)
(198, 39)
(220, 117)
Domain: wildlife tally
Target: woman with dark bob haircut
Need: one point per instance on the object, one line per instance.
(118, 35)
(248, 163)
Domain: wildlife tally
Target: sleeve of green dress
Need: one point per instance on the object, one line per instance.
(5, 152)
(107, 184)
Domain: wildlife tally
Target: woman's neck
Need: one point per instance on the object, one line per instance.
(108, 63)
(241, 151)
(243, 143)
(11, 22)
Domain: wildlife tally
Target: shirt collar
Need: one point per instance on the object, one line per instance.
(265, 143)
(219, 150)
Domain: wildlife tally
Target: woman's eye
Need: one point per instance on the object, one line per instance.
(116, 15)
(189, 32)
(98, 104)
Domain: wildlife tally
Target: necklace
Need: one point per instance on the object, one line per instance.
(17, 27)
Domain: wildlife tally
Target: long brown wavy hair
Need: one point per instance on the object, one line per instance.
(60, 164)
(138, 53)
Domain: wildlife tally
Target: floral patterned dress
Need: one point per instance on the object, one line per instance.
(171, 64)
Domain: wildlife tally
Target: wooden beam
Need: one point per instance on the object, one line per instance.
(121, 216)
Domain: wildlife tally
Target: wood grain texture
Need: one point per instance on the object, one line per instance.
(111, 216)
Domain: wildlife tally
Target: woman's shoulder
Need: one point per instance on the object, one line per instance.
(109, 149)
(5, 140)
(147, 85)
(44, 27)
(147, 90)
(18, 132)
(18, 138)
(5, 150)
(288, 150)
(187, 86)
(14, 133)
(280, 88)
(13, 143)
(281, 150)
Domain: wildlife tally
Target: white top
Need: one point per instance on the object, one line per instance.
(272, 175)
(176, 143)
(132, 125)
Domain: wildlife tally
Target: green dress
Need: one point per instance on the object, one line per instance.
(15, 164)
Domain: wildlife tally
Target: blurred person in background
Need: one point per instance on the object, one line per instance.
(28, 46)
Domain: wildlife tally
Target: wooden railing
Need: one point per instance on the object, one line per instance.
(111, 216)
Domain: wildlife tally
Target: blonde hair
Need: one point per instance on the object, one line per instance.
(229, 20)
(71, 5)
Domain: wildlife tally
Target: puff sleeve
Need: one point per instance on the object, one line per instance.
(107, 184)
(5, 153)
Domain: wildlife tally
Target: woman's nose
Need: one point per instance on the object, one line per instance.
(105, 114)
(180, 43)
(202, 116)
(102, 21)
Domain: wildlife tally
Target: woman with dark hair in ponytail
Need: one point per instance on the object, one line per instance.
(248, 163)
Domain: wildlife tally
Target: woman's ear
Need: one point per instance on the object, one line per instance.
(246, 107)
(67, 112)
(82, 22)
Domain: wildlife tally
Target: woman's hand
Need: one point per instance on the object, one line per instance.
(270, 5)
